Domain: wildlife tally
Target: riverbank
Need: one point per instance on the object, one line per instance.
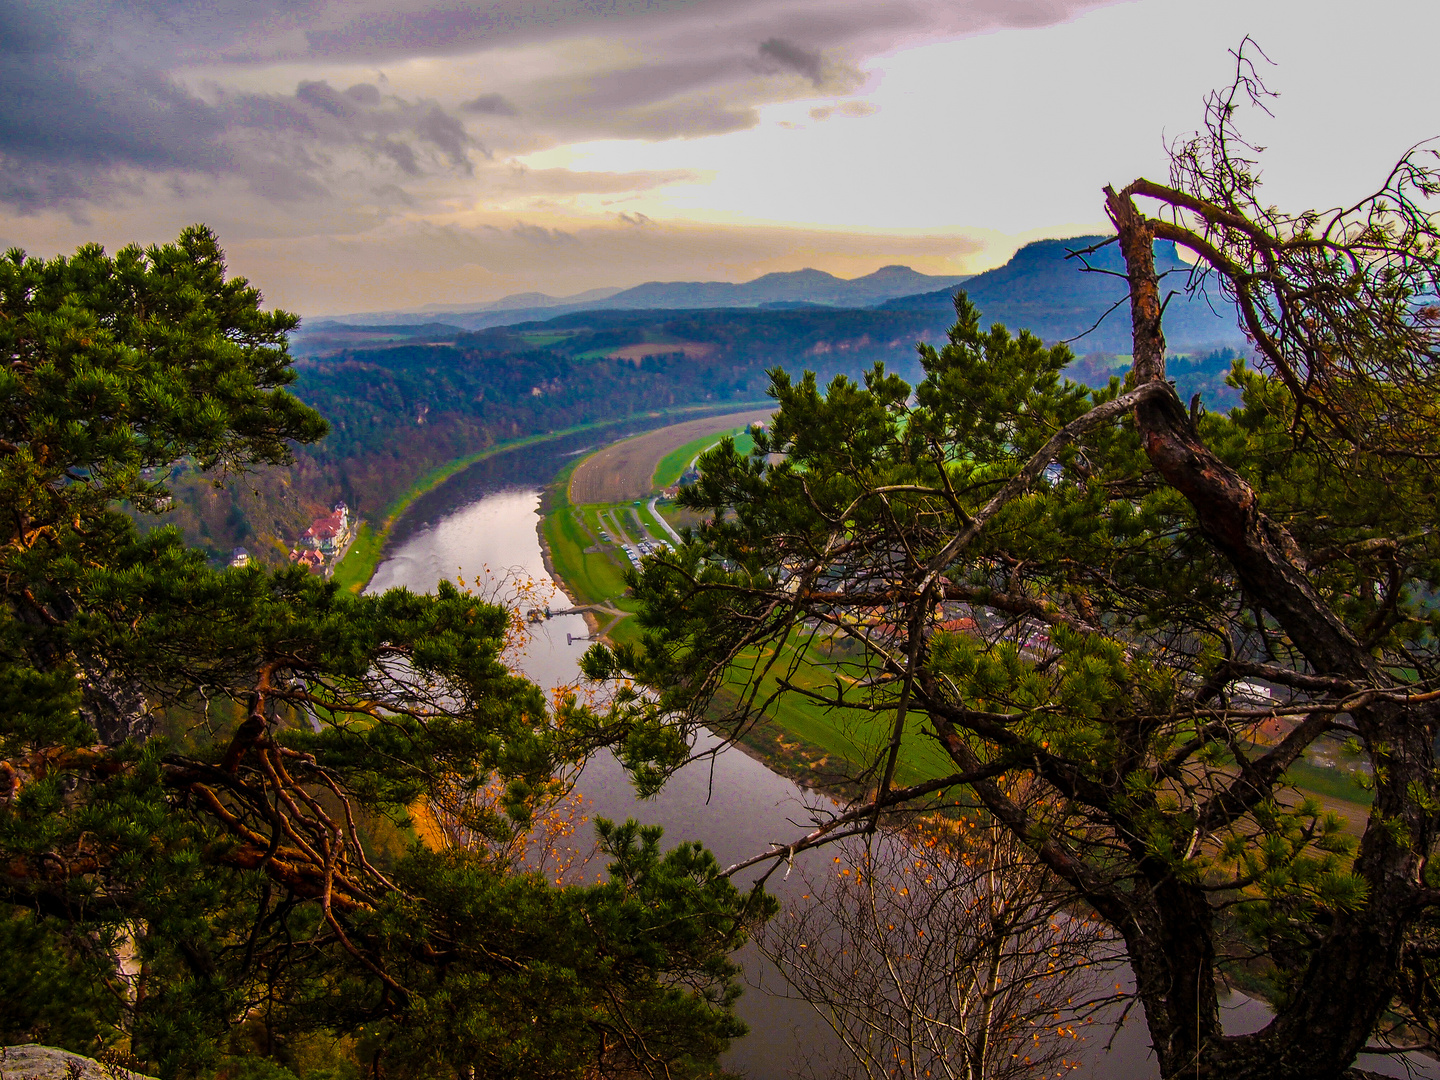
(586, 550)
(782, 751)
(368, 548)
(560, 483)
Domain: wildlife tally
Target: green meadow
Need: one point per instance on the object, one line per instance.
(673, 465)
(593, 571)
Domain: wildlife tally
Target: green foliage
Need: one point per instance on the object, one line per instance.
(542, 979)
(1101, 697)
(673, 465)
(592, 575)
(196, 766)
(61, 989)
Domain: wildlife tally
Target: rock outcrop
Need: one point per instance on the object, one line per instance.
(34, 1062)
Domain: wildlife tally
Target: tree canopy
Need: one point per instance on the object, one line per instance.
(207, 778)
(1140, 615)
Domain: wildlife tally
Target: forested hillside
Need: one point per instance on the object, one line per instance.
(402, 400)
(398, 411)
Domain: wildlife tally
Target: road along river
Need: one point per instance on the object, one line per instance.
(481, 525)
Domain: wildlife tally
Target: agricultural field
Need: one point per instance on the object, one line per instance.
(601, 511)
(625, 470)
(673, 465)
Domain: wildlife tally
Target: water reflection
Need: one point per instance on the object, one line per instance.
(734, 805)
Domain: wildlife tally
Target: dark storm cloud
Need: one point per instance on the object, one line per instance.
(696, 93)
(77, 122)
(69, 114)
(490, 105)
(649, 101)
(389, 31)
(382, 30)
(287, 132)
(793, 57)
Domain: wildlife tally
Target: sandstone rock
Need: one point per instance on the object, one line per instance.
(35, 1062)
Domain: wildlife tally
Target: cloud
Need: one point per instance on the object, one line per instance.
(793, 57)
(103, 100)
(845, 108)
(382, 31)
(520, 180)
(92, 95)
(75, 132)
(318, 141)
(538, 234)
(490, 105)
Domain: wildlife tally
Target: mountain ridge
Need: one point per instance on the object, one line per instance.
(782, 286)
(1044, 289)
(1041, 288)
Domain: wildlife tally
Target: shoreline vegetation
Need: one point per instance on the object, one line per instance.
(581, 555)
(355, 570)
(589, 570)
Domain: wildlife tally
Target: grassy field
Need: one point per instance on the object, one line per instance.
(673, 465)
(590, 576)
(1334, 784)
(354, 571)
(852, 735)
(540, 339)
(652, 523)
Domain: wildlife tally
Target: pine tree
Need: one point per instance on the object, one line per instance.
(1167, 608)
(196, 764)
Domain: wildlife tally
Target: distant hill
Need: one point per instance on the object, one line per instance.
(528, 301)
(792, 287)
(788, 288)
(404, 398)
(328, 337)
(1051, 295)
(1039, 289)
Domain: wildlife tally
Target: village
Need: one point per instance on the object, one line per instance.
(321, 546)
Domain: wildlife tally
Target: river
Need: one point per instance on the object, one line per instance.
(481, 526)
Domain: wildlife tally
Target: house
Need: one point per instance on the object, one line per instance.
(311, 559)
(957, 626)
(239, 558)
(329, 533)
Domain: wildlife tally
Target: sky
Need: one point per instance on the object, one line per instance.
(368, 155)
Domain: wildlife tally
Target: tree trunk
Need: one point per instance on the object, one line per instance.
(1351, 973)
(1172, 952)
